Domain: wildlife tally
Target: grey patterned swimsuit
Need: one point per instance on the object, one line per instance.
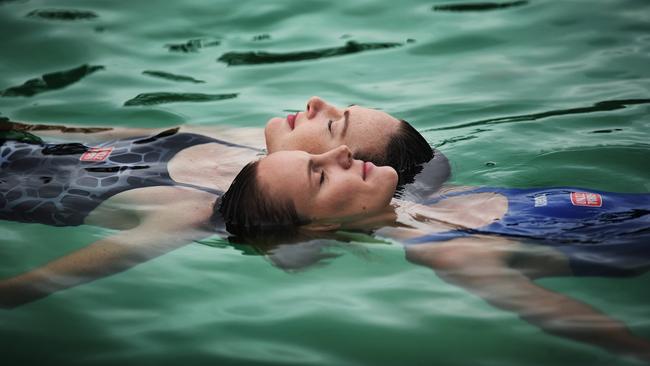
(60, 184)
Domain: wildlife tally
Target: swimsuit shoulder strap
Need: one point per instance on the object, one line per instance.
(217, 192)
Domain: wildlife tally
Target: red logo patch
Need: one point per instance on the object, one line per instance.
(586, 199)
(96, 154)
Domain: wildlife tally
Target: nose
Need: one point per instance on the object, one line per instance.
(316, 105)
(341, 156)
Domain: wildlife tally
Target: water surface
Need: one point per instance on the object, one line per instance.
(532, 93)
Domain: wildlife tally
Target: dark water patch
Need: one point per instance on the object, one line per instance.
(487, 6)
(62, 14)
(608, 105)
(52, 81)
(7, 124)
(162, 98)
(172, 77)
(607, 131)
(191, 46)
(261, 37)
(260, 57)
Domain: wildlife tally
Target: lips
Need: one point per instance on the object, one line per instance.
(367, 167)
(291, 119)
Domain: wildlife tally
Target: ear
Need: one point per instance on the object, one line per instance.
(322, 226)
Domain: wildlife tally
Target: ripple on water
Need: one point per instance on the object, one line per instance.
(261, 57)
(172, 77)
(191, 46)
(165, 97)
(483, 6)
(62, 14)
(51, 81)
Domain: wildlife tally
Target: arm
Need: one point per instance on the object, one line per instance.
(102, 258)
(245, 136)
(481, 268)
(77, 133)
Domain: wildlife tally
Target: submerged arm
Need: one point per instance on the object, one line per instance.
(102, 258)
(481, 268)
(77, 133)
(245, 136)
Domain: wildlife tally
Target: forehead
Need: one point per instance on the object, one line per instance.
(370, 130)
(283, 174)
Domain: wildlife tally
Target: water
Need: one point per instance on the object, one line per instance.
(537, 94)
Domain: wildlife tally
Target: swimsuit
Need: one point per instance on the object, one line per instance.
(601, 233)
(60, 184)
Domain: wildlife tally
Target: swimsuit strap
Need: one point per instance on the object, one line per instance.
(217, 192)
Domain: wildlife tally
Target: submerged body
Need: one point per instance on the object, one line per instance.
(61, 184)
(600, 233)
(478, 239)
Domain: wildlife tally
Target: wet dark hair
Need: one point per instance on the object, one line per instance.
(251, 215)
(406, 151)
(248, 211)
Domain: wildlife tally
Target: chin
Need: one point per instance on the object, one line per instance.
(270, 133)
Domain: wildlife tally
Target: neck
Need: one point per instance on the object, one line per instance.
(401, 220)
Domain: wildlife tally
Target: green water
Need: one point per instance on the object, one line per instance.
(511, 95)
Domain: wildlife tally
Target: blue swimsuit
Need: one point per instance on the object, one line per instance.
(602, 233)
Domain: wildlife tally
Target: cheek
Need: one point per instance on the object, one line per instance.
(349, 198)
(306, 139)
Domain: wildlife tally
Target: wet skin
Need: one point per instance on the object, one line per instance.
(328, 186)
(323, 126)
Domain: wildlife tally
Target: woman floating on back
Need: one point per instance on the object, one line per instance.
(494, 242)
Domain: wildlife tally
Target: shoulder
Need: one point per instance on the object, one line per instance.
(467, 210)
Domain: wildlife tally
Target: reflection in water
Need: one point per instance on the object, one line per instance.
(193, 45)
(608, 105)
(478, 6)
(260, 57)
(162, 98)
(55, 80)
(61, 14)
(172, 77)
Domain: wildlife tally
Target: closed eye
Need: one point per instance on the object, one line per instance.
(322, 177)
(329, 126)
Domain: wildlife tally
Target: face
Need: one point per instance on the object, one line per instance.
(323, 127)
(327, 186)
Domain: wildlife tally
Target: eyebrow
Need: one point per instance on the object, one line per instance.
(345, 123)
